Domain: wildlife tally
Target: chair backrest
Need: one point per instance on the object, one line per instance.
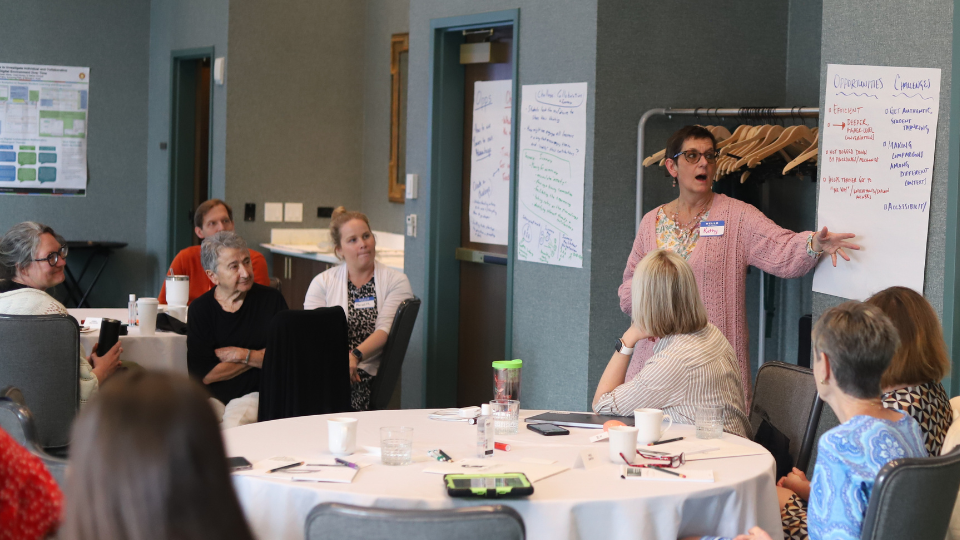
(41, 356)
(913, 498)
(276, 283)
(17, 421)
(822, 420)
(305, 369)
(784, 395)
(391, 359)
(346, 522)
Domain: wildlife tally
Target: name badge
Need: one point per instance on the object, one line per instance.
(711, 228)
(365, 303)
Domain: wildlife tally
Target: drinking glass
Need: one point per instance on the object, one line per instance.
(506, 416)
(396, 445)
(709, 421)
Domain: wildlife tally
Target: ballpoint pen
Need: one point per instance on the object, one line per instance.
(290, 466)
(346, 463)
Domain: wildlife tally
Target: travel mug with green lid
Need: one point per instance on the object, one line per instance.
(506, 379)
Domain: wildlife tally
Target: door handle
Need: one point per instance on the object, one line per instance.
(481, 257)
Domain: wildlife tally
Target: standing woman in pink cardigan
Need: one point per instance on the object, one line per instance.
(720, 260)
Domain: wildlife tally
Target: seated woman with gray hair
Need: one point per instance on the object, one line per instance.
(32, 258)
(228, 328)
(692, 363)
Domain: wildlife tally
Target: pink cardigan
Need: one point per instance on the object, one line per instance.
(720, 266)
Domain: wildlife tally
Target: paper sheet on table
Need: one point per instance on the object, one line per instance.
(534, 471)
(318, 469)
(660, 476)
(696, 450)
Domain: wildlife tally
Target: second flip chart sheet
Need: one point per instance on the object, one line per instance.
(553, 126)
(876, 168)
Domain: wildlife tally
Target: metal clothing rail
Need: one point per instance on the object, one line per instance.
(747, 113)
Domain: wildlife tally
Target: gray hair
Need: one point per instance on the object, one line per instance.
(19, 246)
(859, 340)
(212, 246)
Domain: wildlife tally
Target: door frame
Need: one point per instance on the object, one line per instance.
(445, 161)
(951, 263)
(176, 57)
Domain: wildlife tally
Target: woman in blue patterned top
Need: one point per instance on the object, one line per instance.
(853, 344)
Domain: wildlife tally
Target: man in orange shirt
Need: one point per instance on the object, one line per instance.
(212, 216)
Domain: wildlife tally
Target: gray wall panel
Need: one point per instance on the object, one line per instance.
(111, 38)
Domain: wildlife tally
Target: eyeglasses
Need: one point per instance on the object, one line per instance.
(672, 461)
(693, 156)
(53, 258)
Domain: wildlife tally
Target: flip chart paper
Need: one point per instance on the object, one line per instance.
(553, 131)
(43, 129)
(490, 162)
(876, 169)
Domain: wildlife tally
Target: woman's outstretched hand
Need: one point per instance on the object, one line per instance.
(834, 244)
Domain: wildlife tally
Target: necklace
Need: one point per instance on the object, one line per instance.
(685, 231)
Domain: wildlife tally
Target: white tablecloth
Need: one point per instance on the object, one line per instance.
(163, 350)
(572, 505)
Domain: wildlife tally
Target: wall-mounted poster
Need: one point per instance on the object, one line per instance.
(43, 129)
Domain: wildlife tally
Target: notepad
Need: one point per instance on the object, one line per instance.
(697, 450)
(321, 469)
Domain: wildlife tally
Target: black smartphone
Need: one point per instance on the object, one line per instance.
(548, 429)
(238, 464)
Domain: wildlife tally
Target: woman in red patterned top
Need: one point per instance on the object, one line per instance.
(30, 500)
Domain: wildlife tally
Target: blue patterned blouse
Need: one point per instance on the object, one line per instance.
(849, 457)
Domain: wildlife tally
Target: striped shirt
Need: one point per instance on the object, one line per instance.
(686, 370)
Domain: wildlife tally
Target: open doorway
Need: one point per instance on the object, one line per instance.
(190, 140)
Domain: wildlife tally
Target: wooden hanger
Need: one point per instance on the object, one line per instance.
(806, 156)
(789, 135)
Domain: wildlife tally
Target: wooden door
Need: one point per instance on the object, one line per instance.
(483, 286)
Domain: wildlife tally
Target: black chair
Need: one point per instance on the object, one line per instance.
(822, 419)
(305, 370)
(391, 359)
(41, 357)
(913, 498)
(347, 522)
(276, 284)
(17, 421)
(783, 398)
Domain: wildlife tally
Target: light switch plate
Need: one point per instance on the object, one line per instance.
(273, 211)
(412, 186)
(412, 225)
(293, 211)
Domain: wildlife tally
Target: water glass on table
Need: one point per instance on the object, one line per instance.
(709, 421)
(506, 416)
(396, 445)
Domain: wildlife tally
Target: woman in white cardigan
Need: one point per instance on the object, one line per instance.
(31, 260)
(369, 294)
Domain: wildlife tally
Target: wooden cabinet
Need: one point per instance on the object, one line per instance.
(295, 274)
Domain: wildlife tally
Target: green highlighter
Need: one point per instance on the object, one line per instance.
(491, 486)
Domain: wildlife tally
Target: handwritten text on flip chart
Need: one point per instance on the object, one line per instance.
(490, 162)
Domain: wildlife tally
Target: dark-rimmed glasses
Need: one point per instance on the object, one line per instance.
(672, 461)
(693, 156)
(53, 258)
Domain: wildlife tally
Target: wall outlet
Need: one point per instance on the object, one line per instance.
(324, 211)
(412, 225)
(412, 186)
(250, 211)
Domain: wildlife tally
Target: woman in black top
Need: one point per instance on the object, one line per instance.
(228, 327)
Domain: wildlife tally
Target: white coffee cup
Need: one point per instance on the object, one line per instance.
(623, 440)
(649, 423)
(147, 315)
(177, 290)
(342, 435)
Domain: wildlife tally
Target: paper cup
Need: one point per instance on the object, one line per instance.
(623, 440)
(147, 313)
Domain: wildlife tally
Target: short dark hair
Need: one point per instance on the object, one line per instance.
(859, 340)
(149, 462)
(207, 206)
(675, 142)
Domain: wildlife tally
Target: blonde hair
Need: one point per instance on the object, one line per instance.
(340, 217)
(922, 354)
(665, 296)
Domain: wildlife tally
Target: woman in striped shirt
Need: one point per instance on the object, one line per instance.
(692, 365)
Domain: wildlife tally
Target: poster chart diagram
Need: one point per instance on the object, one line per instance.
(490, 162)
(552, 142)
(878, 138)
(43, 129)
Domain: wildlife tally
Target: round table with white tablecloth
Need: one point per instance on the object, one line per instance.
(574, 504)
(163, 350)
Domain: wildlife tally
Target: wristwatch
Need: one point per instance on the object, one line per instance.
(358, 354)
(623, 349)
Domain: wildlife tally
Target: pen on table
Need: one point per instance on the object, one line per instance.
(290, 466)
(661, 469)
(346, 463)
(675, 439)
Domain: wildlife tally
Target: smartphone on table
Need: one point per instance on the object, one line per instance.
(548, 429)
